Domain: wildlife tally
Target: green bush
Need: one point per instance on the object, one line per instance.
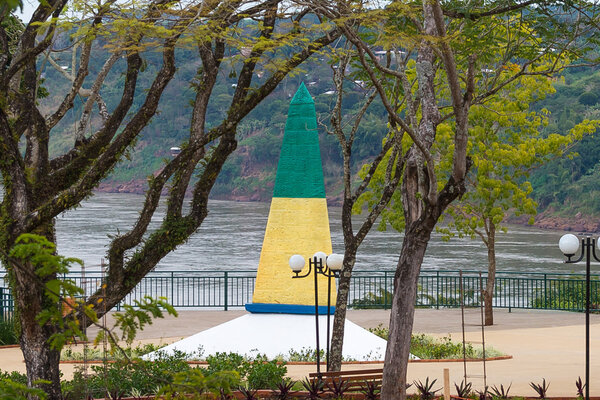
(126, 378)
(567, 294)
(257, 372)
(371, 300)
(588, 99)
(14, 376)
(8, 332)
(265, 374)
(430, 348)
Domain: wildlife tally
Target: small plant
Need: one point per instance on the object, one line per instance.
(370, 389)
(262, 373)
(224, 394)
(338, 387)
(249, 394)
(115, 394)
(482, 394)
(464, 389)
(580, 387)
(500, 393)
(540, 389)
(314, 387)
(425, 389)
(381, 331)
(284, 389)
(305, 354)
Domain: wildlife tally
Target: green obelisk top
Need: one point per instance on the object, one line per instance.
(299, 172)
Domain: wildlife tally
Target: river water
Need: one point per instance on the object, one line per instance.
(231, 238)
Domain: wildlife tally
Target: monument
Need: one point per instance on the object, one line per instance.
(282, 313)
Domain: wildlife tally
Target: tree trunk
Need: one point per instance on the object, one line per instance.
(41, 361)
(402, 313)
(488, 293)
(339, 320)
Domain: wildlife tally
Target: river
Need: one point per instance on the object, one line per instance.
(231, 238)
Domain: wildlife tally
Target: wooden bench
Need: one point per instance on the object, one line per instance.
(357, 380)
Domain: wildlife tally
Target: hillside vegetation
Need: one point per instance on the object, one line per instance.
(563, 187)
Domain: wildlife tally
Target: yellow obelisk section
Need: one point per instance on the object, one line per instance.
(295, 226)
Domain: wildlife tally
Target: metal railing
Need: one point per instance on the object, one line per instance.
(368, 289)
(6, 304)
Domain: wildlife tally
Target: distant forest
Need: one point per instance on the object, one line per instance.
(564, 186)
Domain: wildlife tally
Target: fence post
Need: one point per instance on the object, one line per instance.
(173, 287)
(1, 303)
(545, 292)
(437, 290)
(385, 291)
(226, 275)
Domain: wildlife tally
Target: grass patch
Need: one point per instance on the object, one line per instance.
(432, 348)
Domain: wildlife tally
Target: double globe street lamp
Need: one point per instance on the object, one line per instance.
(569, 245)
(329, 266)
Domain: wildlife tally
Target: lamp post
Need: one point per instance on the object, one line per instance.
(569, 245)
(330, 267)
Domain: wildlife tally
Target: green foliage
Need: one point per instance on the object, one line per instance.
(96, 354)
(11, 390)
(8, 332)
(425, 389)
(384, 300)
(14, 376)
(39, 252)
(305, 354)
(257, 372)
(505, 144)
(10, 5)
(541, 388)
(430, 348)
(427, 347)
(464, 389)
(381, 331)
(13, 386)
(265, 374)
(314, 387)
(371, 300)
(136, 317)
(500, 392)
(126, 377)
(194, 381)
(567, 294)
(588, 99)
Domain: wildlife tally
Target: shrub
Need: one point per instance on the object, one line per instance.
(264, 374)
(8, 332)
(371, 300)
(428, 347)
(123, 376)
(258, 372)
(588, 99)
(567, 294)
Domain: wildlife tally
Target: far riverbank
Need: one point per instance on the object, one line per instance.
(548, 219)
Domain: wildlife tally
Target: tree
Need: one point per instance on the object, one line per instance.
(442, 53)
(345, 129)
(231, 37)
(505, 144)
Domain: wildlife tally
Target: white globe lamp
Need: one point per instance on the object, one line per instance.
(569, 244)
(335, 262)
(296, 263)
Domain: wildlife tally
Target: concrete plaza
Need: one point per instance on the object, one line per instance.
(543, 344)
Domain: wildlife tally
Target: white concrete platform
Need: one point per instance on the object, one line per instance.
(275, 335)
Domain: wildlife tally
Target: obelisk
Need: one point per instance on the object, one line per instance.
(298, 221)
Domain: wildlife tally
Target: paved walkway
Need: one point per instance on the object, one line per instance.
(544, 344)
